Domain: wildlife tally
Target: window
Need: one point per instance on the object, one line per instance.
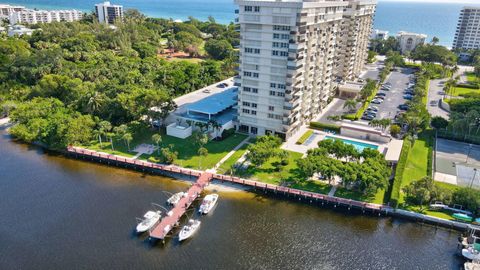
(255, 75)
(256, 51)
(246, 104)
(247, 89)
(273, 85)
(254, 112)
(271, 115)
(275, 53)
(283, 53)
(254, 105)
(248, 8)
(254, 130)
(281, 86)
(256, 9)
(247, 73)
(272, 93)
(246, 111)
(276, 36)
(280, 94)
(255, 90)
(271, 108)
(252, 50)
(285, 36)
(281, 28)
(278, 117)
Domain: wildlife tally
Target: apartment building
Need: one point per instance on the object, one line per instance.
(289, 59)
(409, 41)
(379, 34)
(108, 13)
(467, 35)
(6, 10)
(31, 16)
(354, 38)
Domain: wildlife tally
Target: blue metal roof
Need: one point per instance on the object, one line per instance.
(215, 103)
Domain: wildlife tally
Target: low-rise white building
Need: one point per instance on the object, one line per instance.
(379, 34)
(6, 10)
(19, 30)
(31, 16)
(409, 41)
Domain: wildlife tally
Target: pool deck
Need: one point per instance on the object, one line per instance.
(317, 135)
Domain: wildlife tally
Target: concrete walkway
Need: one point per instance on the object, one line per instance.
(214, 169)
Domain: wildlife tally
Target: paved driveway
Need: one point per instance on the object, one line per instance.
(399, 80)
(435, 93)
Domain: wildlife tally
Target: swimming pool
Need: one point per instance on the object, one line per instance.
(358, 145)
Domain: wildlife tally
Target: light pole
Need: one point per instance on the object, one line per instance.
(474, 175)
(468, 153)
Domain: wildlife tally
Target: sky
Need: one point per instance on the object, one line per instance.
(437, 1)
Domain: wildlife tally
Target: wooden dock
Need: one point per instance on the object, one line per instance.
(163, 228)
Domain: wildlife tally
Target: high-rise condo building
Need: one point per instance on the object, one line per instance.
(290, 54)
(354, 38)
(44, 16)
(467, 35)
(108, 13)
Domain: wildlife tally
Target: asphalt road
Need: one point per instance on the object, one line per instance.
(435, 93)
(399, 80)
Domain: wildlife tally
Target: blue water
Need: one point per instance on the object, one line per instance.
(358, 145)
(433, 19)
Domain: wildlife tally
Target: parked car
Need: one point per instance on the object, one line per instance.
(385, 89)
(207, 91)
(403, 107)
(372, 109)
(377, 101)
(409, 92)
(222, 85)
(367, 117)
(434, 103)
(380, 97)
(381, 94)
(408, 97)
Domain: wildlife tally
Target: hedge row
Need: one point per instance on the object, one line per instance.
(397, 181)
(474, 86)
(323, 126)
(305, 137)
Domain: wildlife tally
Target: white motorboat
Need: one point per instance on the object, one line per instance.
(175, 198)
(471, 253)
(189, 229)
(149, 220)
(208, 203)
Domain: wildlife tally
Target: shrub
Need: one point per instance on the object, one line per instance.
(397, 181)
(351, 117)
(438, 122)
(323, 126)
(469, 86)
(227, 133)
(395, 130)
(467, 197)
(304, 137)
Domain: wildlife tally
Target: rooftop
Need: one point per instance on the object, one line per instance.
(215, 103)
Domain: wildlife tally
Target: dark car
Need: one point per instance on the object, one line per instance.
(408, 97)
(381, 94)
(409, 92)
(403, 107)
(367, 117)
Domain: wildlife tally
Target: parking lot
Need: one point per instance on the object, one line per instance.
(399, 81)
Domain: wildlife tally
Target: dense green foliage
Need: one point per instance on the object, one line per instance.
(434, 54)
(264, 148)
(76, 75)
(399, 171)
(365, 171)
(325, 127)
(424, 191)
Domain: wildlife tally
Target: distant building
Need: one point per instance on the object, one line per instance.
(409, 41)
(108, 13)
(6, 10)
(467, 35)
(31, 16)
(19, 30)
(379, 34)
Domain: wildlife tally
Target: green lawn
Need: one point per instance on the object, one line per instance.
(457, 91)
(268, 174)
(440, 214)
(417, 162)
(355, 195)
(186, 148)
(471, 78)
(312, 186)
(227, 165)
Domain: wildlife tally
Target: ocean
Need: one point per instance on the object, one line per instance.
(433, 19)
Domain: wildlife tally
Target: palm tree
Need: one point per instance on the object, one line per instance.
(103, 128)
(202, 152)
(157, 138)
(94, 102)
(127, 137)
(110, 135)
(351, 104)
